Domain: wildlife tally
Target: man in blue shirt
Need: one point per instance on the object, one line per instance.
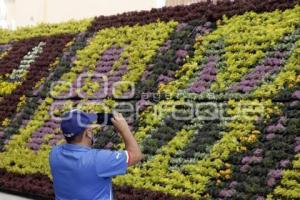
(82, 173)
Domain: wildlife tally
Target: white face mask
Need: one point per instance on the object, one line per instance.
(92, 138)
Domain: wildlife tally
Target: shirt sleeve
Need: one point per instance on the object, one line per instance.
(111, 163)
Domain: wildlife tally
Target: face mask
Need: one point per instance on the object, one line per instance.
(93, 139)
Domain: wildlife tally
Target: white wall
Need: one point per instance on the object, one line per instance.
(185, 2)
(29, 12)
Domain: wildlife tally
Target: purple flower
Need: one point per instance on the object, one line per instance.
(34, 146)
(114, 78)
(246, 160)
(181, 26)
(129, 120)
(271, 128)
(197, 89)
(258, 152)
(1, 135)
(227, 192)
(279, 54)
(284, 163)
(202, 29)
(109, 145)
(123, 67)
(254, 76)
(297, 140)
(5, 47)
(209, 70)
(73, 58)
(53, 125)
(280, 127)
(294, 103)
(200, 83)
(142, 104)
(260, 198)
(37, 141)
(168, 42)
(171, 73)
(282, 120)
(297, 149)
(181, 53)
(164, 79)
(145, 75)
(296, 95)
(207, 77)
(39, 134)
(270, 136)
(150, 66)
(256, 159)
(187, 46)
(245, 88)
(273, 61)
(116, 57)
(161, 78)
(48, 130)
(233, 184)
(245, 168)
(252, 79)
(207, 24)
(275, 173)
(210, 64)
(271, 182)
(212, 58)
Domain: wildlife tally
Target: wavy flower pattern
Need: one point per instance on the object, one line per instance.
(223, 122)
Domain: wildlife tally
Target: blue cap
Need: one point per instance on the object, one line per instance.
(76, 121)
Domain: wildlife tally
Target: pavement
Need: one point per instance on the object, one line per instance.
(5, 196)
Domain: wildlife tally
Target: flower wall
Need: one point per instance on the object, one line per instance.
(216, 98)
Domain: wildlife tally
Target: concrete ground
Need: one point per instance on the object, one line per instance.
(5, 196)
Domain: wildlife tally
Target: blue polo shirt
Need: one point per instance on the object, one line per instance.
(83, 173)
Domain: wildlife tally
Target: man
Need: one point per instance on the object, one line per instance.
(83, 173)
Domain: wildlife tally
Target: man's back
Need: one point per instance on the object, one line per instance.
(84, 173)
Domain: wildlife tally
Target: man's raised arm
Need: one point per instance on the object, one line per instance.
(132, 147)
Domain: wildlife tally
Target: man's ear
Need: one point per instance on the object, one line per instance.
(87, 133)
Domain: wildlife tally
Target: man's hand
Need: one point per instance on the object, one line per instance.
(132, 147)
(120, 124)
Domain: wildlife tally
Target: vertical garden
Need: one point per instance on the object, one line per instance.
(215, 104)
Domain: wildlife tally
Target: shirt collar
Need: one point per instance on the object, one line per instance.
(75, 147)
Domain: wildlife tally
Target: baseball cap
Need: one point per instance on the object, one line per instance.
(76, 121)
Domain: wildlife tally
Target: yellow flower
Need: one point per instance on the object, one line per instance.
(227, 165)
(257, 132)
(161, 87)
(291, 85)
(227, 177)
(298, 79)
(21, 103)
(199, 39)
(269, 110)
(5, 123)
(243, 148)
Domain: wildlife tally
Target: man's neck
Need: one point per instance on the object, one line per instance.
(82, 143)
